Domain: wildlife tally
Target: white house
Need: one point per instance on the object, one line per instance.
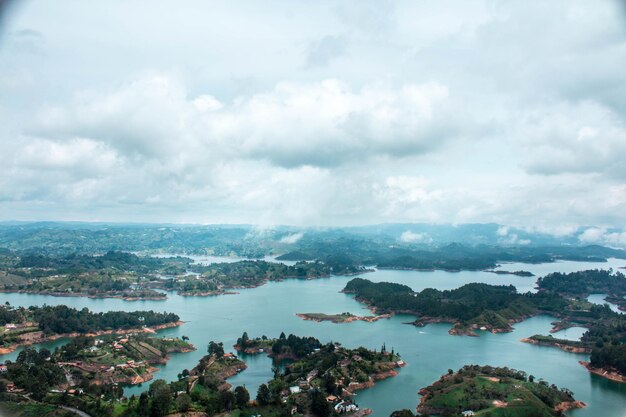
(295, 389)
(468, 413)
(345, 407)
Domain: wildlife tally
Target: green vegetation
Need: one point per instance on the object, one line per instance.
(565, 344)
(321, 378)
(320, 381)
(490, 391)
(339, 248)
(35, 323)
(583, 283)
(284, 347)
(517, 273)
(114, 274)
(221, 277)
(85, 362)
(30, 409)
(494, 307)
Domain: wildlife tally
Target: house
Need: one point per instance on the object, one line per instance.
(229, 356)
(3, 369)
(294, 390)
(311, 376)
(345, 407)
(10, 326)
(468, 413)
(331, 398)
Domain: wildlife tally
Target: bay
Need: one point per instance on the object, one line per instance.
(429, 351)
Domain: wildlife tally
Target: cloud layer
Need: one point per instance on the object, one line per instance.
(344, 113)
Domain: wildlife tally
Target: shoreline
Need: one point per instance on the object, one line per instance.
(566, 348)
(53, 337)
(85, 295)
(604, 373)
(339, 319)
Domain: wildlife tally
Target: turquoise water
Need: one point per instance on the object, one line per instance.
(600, 299)
(429, 351)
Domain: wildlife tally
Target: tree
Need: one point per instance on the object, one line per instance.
(319, 405)
(263, 395)
(161, 398)
(241, 396)
(144, 403)
(216, 349)
(183, 402)
(402, 413)
(228, 400)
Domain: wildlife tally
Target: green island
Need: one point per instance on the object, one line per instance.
(27, 326)
(496, 308)
(86, 361)
(222, 278)
(469, 308)
(583, 283)
(111, 275)
(131, 277)
(517, 273)
(494, 392)
(340, 318)
(320, 380)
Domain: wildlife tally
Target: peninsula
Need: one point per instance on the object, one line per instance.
(485, 390)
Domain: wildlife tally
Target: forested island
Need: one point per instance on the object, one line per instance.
(470, 307)
(321, 381)
(490, 391)
(340, 318)
(86, 361)
(222, 278)
(496, 308)
(26, 326)
(131, 277)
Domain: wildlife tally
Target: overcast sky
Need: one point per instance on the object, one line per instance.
(315, 112)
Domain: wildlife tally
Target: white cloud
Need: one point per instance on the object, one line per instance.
(292, 238)
(322, 124)
(350, 112)
(411, 237)
(602, 236)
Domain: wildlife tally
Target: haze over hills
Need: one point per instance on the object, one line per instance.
(250, 240)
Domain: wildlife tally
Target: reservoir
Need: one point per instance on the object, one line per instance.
(429, 351)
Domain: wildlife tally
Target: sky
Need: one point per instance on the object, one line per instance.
(315, 113)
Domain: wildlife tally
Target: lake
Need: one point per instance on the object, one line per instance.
(429, 351)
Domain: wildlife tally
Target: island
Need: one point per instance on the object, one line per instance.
(573, 346)
(28, 326)
(223, 278)
(83, 361)
(111, 275)
(517, 273)
(490, 391)
(341, 318)
(469, 308)
(321, 380)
